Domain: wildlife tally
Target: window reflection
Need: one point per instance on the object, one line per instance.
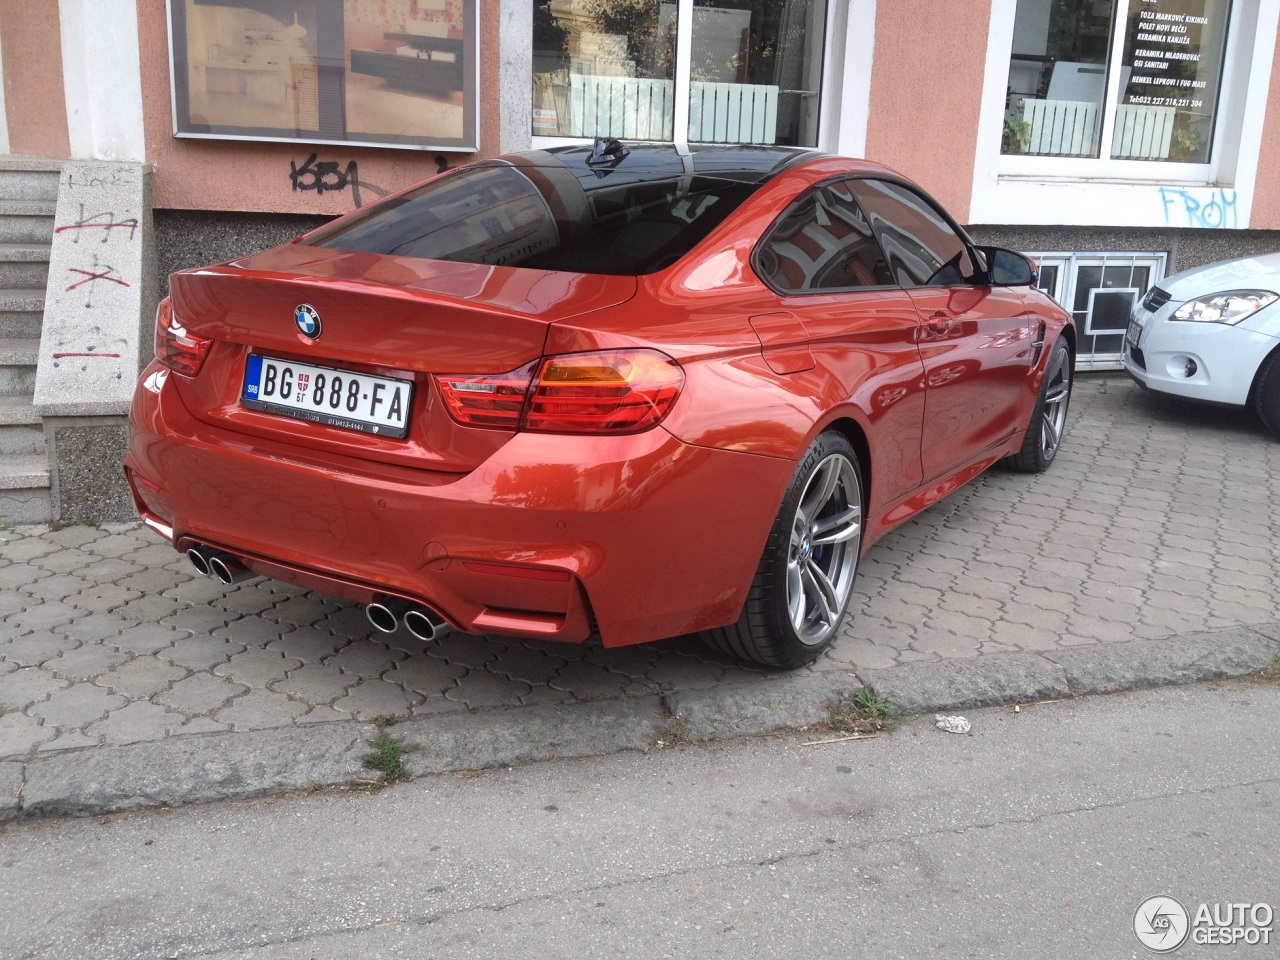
(1057, 77)
(756, 71)
(1166, 71)
(606, 68)
(603, 68)
(1170, 76)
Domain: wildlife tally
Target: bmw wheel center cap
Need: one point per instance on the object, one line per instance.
(308, 320)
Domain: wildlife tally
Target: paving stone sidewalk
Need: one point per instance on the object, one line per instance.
(1146, 554)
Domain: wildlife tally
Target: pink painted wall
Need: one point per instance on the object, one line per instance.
(1266, 197)
(245, 176)
(31, 40)
(926, 90)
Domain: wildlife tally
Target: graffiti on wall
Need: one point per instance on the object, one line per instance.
(1203, 208)
(105, 221)
(89, 278)
(91, 338)
(324, 176)
(328, 176)
(92, 280)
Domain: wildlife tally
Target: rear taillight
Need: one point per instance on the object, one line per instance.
(496, 401)
(620, 391)
(178, 350)
(603, 392)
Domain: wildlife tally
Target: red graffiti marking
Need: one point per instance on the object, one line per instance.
(89, 277)
(97, 271)
(59, 356)
(97, 221)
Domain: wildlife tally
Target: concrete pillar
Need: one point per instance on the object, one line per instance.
(516, 76)
(4, 117)
(102, 79)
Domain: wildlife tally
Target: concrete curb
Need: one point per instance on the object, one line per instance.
(964, 684)
(503, 738)
(747, 710)
(204, 767)
(1085, 671)
(193, 769)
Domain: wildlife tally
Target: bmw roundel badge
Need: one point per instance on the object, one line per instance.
(308, 320)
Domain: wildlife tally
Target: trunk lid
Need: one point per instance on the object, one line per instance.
(393, 317)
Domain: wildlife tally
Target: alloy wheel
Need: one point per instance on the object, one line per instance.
(1053, 416)
(822, 557)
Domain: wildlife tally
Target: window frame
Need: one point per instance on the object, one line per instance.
(832, 85)
(970, 247)
(1068, 278)
(1131, 193)
(1104, 165)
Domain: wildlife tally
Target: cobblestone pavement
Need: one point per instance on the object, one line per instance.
(1159, 519)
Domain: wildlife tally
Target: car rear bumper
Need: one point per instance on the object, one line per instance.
(649, 536)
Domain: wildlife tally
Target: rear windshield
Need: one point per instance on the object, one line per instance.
(548, 217)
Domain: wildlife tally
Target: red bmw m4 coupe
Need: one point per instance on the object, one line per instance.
(609, 394)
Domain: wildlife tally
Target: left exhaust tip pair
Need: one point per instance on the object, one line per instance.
(218, 564)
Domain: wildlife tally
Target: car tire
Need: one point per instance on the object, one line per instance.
(1049, 415)
(802, 587)
(1266, 396)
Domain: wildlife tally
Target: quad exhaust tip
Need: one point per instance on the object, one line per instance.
(388, 613)
(199, 557)
(385, 614)
(209, 562)
(425, 625)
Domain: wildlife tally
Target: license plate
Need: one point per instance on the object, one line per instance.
(1134, 333)
(335, 398)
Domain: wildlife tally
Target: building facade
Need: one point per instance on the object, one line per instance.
(1116, 140)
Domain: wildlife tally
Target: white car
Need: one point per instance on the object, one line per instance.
(1212, 333)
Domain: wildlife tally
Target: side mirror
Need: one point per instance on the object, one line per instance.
(1007, 268)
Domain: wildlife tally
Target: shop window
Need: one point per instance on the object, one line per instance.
(1100, 290)
(608, 68)
(1128, 80)
(326, 71)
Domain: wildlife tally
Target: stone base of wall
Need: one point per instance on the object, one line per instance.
(86, 457)
(197, 238)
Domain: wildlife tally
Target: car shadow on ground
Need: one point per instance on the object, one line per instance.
(1163, 408)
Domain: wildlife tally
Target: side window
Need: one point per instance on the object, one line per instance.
(822, 243)
(922, 247)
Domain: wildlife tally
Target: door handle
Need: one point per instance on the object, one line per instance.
(940, 324)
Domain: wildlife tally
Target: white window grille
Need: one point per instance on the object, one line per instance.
(1099, 290)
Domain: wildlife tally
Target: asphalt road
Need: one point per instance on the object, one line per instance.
(1038, 835)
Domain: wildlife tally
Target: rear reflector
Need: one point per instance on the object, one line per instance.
(178, 350)
(142, 481)
(525, 573)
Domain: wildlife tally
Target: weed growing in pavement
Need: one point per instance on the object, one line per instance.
(1272, 673)
(863, 712)
(677, 734)
(387, 759)
(56, 525)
